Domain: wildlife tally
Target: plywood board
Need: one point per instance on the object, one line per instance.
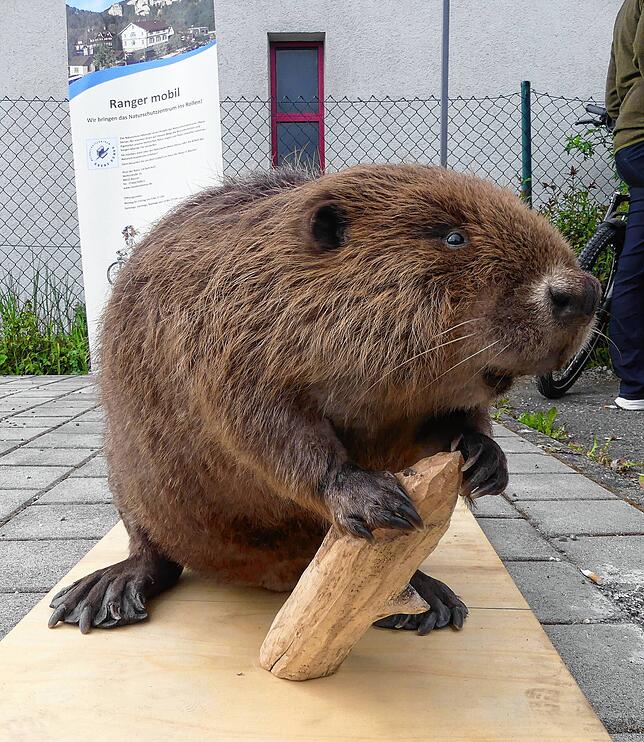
(191, 672)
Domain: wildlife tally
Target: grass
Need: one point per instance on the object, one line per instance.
(43, 330)
(544, 422)
(500, 408)
(601, 455)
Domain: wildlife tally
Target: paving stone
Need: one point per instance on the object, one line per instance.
(500, 431)
(13, 404)
(86, 489)
(60, 521)
(37, 565)
(96, 415)
(53, 410)
(571, 486)
(75, 382)
(516, 539)
(7, 445)
(39, 394)
(97, 467)
(518, 445)
(494, 506)
(36, 415)
(607, 660)
(12, 433)
(590, 517)
(69, 400)
(48, 379)
(618, 559)
(24, 402)
(558, 593)
(13, 606)
(26, 421)
(12, 499)
(55, 439)
(526, 463)
(88, 394)
(627, 737)
(30, 478)
(81, 427)
(9, 390)
(26, 456)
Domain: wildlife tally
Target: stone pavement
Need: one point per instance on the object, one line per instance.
(55, 504)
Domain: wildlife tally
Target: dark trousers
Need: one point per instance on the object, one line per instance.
(627, 309)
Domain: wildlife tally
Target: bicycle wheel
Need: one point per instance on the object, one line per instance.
(598, 258)
(112, 272)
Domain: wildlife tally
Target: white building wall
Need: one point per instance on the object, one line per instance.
(37, 202)
(33, 49)
(393, 48)
(386, 49)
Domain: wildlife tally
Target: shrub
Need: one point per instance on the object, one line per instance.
(44, 332)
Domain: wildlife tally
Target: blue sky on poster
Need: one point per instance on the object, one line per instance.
(96, 5)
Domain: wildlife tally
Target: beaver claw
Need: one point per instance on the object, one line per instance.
(361, 500)
(485, 471)
(446, 608)
(109, 597)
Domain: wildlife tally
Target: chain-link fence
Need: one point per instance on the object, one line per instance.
(485, 137)
(38, 224)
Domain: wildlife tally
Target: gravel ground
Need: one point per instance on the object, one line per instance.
(586, 412)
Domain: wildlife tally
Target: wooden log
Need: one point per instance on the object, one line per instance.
(350, 583)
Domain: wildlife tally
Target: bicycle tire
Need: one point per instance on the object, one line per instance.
(604, 239)
(112, 272)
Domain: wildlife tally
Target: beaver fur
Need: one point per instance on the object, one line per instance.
(278, 344)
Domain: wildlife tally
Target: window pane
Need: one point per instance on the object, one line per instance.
(297, 143)
(296, 72)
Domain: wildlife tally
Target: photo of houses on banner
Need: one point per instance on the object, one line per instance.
(104, 34)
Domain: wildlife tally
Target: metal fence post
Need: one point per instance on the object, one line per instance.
(526, 143)
(445, 82)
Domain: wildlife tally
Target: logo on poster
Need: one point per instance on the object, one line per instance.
(102, 153)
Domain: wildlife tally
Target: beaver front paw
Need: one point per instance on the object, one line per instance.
(485, 471)
(361, 500)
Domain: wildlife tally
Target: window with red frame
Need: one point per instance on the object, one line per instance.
(297, 102)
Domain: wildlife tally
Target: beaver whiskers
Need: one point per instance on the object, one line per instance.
(460, 363)
(419, 355)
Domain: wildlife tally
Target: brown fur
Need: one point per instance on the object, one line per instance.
(242, 362)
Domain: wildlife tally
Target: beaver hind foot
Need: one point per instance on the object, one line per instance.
(115, 595)
(445, 608)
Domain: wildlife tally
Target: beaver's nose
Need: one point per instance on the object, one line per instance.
(575, 302)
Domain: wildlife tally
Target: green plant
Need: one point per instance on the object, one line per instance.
(544, 422)
(44, 332)
(601, 455)
(587, 143)
(501, 407)
(573, 209)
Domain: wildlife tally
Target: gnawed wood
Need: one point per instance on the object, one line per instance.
(350, 583)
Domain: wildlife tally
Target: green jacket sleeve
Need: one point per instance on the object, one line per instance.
(612, 98)
(638, 43)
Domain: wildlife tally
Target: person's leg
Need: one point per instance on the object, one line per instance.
(627, 308)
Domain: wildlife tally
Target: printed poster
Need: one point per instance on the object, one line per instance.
(144, 107)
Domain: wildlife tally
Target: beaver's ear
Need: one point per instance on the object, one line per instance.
(329, 226)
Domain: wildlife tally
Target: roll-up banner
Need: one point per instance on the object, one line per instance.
(144, 107)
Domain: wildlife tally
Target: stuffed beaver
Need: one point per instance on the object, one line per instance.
(276, 346)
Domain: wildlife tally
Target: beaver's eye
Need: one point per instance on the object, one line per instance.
(455, 239)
